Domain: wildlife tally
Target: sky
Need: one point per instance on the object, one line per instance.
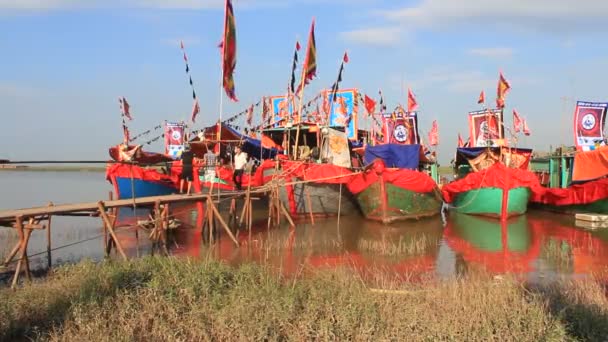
(64, 63)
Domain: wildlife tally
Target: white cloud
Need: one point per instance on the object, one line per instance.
(545, 15)
(495, 52)
(379, 36)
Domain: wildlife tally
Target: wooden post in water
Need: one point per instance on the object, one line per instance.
(309, 203)
(48, 239)
(24, 237)
(221, 220)
(109, 225)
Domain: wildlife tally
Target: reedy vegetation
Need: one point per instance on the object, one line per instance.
(181, 299)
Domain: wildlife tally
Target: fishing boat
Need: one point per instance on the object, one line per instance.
(491, 181)
(576, 182)
(392, 188)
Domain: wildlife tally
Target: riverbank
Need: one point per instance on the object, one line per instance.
(180, 299)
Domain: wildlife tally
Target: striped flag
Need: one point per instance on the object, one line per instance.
(124, 107)
(292, 83)
(195, 105)
(309, 70)
(229, 52)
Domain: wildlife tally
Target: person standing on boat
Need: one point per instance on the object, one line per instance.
(210, 162)
(240, 160)
(187, 172)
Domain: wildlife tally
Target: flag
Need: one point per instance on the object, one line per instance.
(292, 83)
(195, 110)
(326, 106)
(525, 126)
(501, 91)
(336, 85)
(370, 105)
(382, 105)
(125, 108)
(229, 52)
(264, 110)
(125, 132)
(460, 141)
(250, 115)
(434, 134)
(516, 122)
(412, 105)
(492, 124)
(482, 97)
(309, 70)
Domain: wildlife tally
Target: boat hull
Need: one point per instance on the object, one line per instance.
(597, 207)
(141, 188)
(488, 201)
(385, 202)
(325, 199)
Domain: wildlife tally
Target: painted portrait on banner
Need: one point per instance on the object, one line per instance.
(174, 139)
(401, 129)
(343, 111)
(484, 132)
(589, 120)
(281, 111)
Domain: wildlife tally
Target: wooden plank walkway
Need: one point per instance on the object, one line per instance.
(7, 215)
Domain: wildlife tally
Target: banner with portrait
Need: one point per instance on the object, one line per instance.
(281, 109)
(589, 120)
(401, 129)
(174, 139)
(334, 148)
(484, 130)
(343, 111)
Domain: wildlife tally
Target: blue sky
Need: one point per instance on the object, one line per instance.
(65, 62)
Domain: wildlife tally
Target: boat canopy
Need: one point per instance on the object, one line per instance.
(394, 155)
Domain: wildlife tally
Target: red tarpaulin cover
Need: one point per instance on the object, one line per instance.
(406, 179)
(137, 172)
(575, 194)
(496, 176)
(590, 165)
(141, 157)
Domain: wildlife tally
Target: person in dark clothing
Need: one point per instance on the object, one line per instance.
(187, 172)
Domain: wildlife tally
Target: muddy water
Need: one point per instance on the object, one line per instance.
(537, 246)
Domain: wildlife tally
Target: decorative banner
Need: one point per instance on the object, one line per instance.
(280, 111)
(481, 132)
(589, 120)
(335, 148)
(402, 129)
(174, 139)
(343, 111)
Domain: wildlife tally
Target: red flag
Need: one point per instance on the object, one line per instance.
(309, 70)
(501, 91)
(326, 105)
(460, 141)
(125, 108)
(434, 134)
(229, 52)
(412, 105)
(526, 129)
(370, 105)
(345, 58)
(297, 45)
(492, 124)
(195, 110)
(516, 122)
(482, 97)
(250, 115)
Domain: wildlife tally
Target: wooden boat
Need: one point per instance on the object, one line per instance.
(395, 193)
(575, 182)
(487, 186)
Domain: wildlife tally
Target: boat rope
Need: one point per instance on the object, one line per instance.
(472, 197)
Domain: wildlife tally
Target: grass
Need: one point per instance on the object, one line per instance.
(169, 299)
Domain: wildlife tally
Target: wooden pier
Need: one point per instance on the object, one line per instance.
(25, 221)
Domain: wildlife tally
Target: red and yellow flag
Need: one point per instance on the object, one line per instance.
(501, 91)
(309, 70)
(229, 52)
(482, 97)
(412, 105)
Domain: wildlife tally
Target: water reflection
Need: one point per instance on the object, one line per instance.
(537, 245)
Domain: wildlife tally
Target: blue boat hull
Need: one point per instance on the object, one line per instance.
(142, 188)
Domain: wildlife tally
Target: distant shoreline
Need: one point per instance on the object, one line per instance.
(53, 168)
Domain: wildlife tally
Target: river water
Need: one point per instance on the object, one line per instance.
(537, 246)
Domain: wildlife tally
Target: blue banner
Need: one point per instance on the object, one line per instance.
(343, 111)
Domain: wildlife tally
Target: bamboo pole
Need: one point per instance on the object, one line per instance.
(309, 203)
(20, 231)
(108, 223)
(221, 220)
(48, 239)
(286, 213)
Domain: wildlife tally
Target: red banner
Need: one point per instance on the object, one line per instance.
(589, 120)
(482, 132)
(174, 139)
(401, 130)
